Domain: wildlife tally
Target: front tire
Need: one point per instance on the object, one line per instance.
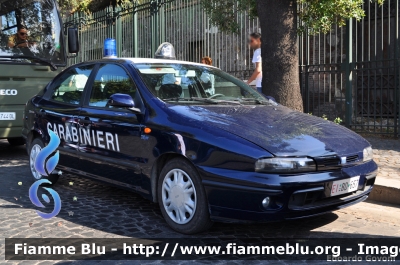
(34, 148)
(182, 199)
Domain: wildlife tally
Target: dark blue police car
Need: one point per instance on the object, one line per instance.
(201, 143)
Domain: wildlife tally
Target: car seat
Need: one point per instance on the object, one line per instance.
(97, 94)
(170, 91)
(192, 91)
(72, 97)
(3, 40)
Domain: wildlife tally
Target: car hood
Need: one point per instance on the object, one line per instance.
(277, 129)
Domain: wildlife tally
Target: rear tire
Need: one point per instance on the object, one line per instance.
(16, 141)
(34, 148)
(182, 198)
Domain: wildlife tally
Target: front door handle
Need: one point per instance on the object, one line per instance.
(85, 121)
(42, 112)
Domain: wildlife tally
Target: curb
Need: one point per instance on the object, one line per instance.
(385, 194)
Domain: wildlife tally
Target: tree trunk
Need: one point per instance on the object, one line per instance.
(279, 51)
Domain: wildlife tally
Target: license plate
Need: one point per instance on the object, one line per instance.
(345, 186)
(7, 116)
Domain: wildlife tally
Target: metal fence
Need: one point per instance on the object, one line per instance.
(353, 73)
(139, 29)
(350, 74)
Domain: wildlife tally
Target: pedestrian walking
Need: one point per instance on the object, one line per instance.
(207, 78)
(255, 44)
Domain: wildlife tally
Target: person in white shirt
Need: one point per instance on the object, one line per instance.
(206, 78)
(255, 44)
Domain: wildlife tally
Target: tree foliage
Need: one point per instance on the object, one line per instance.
(88, 6)
(224, 13)
(317, 16)
(72, 6)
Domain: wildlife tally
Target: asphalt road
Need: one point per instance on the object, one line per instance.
(101, 211)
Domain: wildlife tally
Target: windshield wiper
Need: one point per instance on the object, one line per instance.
(192, 99)
(53, 67)
(176, 99)
(206, 100)
(258, 101)
(217, 101)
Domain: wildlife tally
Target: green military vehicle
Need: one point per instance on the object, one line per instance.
(32, 52)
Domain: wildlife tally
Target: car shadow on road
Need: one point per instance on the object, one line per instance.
(118, 212)
(93, 209)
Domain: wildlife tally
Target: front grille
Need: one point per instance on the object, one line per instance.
(330, 161)
(334, 162)
(327, 163)
(352, 159)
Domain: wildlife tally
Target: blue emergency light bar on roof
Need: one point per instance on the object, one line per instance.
(110, 48)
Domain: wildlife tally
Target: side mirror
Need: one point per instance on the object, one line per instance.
(123, 101)
(73, 40)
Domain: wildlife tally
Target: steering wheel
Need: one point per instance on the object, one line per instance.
(217, 95)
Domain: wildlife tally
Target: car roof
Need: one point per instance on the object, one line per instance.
(149, 60)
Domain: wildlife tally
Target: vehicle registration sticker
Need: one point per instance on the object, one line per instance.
(7, 116)
(345, 186)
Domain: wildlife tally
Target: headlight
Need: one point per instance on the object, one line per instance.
(285, 165)
(368, 154)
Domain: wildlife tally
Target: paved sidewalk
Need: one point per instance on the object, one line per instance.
(387, 156)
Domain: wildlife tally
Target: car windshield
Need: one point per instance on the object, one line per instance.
(30, 29)
(196, 84)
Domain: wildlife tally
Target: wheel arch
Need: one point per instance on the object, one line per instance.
(30, 137)
(157, 168)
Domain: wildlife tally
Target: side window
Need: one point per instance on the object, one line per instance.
(110, 79)
(69, 87)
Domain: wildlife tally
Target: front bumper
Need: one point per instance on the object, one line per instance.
(237, 196)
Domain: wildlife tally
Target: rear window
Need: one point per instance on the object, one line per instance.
(69, 87)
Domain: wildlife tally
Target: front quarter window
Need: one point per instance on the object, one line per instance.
(111, 79)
